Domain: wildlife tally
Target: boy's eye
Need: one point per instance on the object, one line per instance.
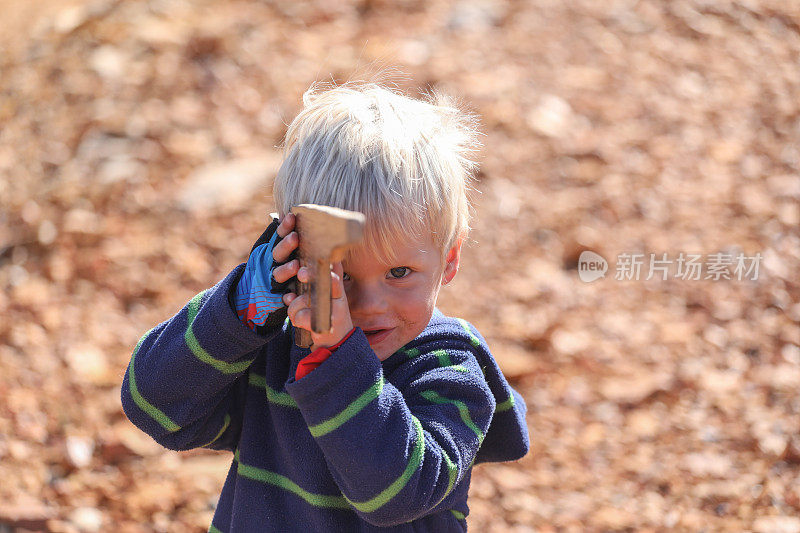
(400, 272)
(345, 276)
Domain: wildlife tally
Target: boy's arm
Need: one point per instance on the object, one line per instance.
(184, 385)
(507, 438)
(395, 454)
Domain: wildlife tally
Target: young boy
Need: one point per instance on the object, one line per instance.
(377, 426)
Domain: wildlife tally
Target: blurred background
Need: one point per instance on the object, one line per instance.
(138, 142)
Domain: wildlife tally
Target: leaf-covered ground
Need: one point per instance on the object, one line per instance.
(138, 140)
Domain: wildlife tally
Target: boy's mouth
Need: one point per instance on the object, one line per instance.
(375, 336)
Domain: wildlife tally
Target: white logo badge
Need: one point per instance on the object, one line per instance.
(591, 266)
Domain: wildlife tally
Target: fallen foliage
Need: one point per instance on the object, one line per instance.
(618, 127)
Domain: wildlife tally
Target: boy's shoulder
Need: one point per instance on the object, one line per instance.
(451, 335)
(452, 329)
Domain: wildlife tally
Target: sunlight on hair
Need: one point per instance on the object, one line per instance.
(407, 164)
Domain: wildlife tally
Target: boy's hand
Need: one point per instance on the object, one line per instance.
(257, 298)
(283, 251)
(300, 312)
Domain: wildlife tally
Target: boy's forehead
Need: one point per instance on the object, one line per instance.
(404, 247)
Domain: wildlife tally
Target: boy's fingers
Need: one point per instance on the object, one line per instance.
(287, 271)
(286, 225)
(284, 249)
(296, 306)
(303, 275)
(337, 288)
(301, 318)
(288, 297)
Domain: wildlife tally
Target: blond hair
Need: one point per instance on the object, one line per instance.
(405, 163)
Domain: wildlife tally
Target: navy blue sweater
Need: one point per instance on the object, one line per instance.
(356, 445)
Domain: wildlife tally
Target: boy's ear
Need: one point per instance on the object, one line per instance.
(451, 262)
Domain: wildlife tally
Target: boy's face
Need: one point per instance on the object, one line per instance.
(393, 303)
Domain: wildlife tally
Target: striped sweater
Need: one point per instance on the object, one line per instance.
(356, 445)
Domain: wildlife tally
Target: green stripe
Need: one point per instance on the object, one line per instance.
(392, 490)
(221, 431)
(457, 514)
(446, 362)
(433, 396)
(281, 398)
(348, 412)
(213, 529)
(472, 338)
(283, 482)
(452, 472)
(154, 412)
(506, 405)
(199, 352)
(444, 359)
(411, 353)
(341, 502)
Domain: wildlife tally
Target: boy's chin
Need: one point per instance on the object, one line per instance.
(383, 352)
(382, 342)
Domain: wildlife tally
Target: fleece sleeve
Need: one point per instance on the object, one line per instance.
(395, 454)
(507, 438)
(184, 385)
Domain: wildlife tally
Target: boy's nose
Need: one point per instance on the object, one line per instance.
(365, 301)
